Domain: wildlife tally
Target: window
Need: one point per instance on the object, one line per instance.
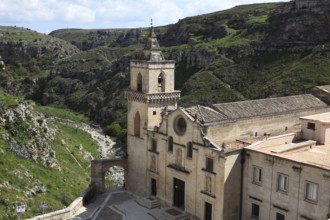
(180, 125)
(154, 145)
(257, 175)
(311, 126)
(311, 191)
(209, 164)
(137, 121)
(170, 144)
(161, 82)
(139, 82)
(280, 216)
(282, 182)
(255, 212)
(154, 112)
(190, 150)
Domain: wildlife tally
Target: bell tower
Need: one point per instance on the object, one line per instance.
(151, 91)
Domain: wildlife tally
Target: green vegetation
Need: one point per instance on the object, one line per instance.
(204, 88)
(247, 52)
(258, 19)
(115, 130)
(7, 101)
(53, 111)
(62, 186)
(28, 181)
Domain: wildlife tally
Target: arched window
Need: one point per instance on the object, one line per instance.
(170, 144)
(161, 82)
(139, 82)
(137, 121)
(190, 150)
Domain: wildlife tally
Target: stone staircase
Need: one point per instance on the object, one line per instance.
(149, 202)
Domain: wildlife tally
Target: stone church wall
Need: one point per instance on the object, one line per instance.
(258, 126)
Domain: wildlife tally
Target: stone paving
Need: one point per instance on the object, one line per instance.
(122, 205)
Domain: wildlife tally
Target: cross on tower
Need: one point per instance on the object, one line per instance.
(151, 22)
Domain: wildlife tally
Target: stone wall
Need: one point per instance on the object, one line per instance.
(257, 126)
(62, 214)
(292, 204)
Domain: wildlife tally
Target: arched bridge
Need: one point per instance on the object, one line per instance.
(99, 169)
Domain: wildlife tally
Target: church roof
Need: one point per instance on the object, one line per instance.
(205, 114)
(225, 112)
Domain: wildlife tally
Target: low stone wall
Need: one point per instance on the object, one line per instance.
(62, 214)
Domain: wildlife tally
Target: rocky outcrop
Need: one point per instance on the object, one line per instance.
(2, 64)
(105, 37)
(20, 45)
(312, 4)
(28, 135)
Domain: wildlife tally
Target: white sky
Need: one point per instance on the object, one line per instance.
(47, 15)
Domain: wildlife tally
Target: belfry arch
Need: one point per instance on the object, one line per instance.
(100, 167)
(161, 82)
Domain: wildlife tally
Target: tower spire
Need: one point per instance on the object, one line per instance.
(152, 50)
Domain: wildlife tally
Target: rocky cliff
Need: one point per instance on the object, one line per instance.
(28, 134)
(247, 52)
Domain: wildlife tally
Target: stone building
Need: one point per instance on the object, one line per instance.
(288, 176)
(193, 158)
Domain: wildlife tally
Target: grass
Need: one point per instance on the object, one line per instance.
(53, 111)
(8, 100)
(63, 186)
(258, 19)
(204, 88)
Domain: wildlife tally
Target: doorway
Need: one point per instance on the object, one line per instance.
(153, 187)
(178, 193)
(208, 211)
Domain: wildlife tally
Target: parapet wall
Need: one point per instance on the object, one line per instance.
(62, 214)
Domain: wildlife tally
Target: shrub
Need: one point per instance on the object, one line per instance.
(115, 130)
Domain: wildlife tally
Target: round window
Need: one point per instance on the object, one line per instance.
(180, 125)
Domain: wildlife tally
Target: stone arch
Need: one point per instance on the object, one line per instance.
(161, 82)
(114, 177)
(137, 124)
(99, 169)
(139, 82)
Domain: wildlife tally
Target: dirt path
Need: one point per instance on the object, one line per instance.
(104, 142)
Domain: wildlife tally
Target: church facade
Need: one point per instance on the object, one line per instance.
(195, 158)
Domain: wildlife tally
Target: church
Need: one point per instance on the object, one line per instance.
(229, 160)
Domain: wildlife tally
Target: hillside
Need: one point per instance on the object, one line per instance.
(40, 158)
(247, 52)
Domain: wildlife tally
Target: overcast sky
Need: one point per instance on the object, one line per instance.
(47, 15)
